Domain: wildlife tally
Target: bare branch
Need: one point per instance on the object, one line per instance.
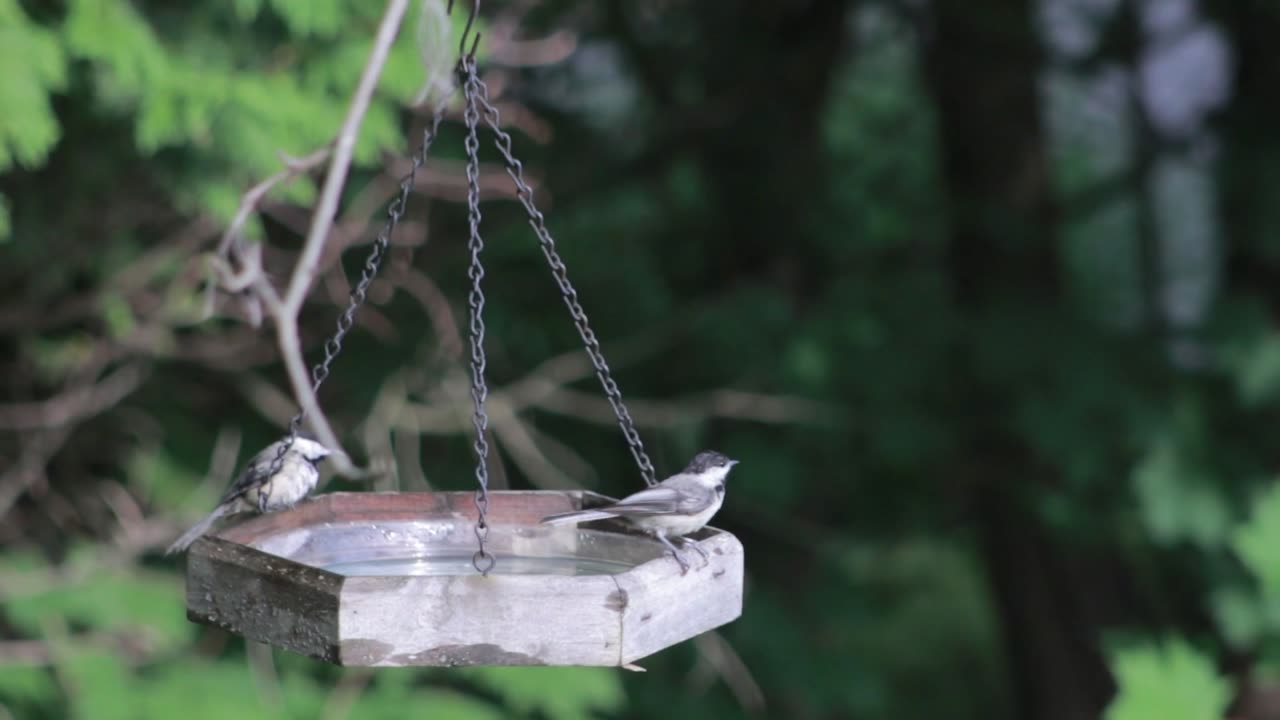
(548, 50)
(73, 405)
(286, 312)
(249, 202)
(721, 659)
(305, 271)
(37, 450)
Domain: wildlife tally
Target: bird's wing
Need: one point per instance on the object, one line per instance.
(655, 501)
(253, 473)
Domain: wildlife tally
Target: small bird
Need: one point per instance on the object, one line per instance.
(675, 507)
(255, 490)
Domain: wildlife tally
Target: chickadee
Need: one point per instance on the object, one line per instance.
(675, 507)
(255, 490)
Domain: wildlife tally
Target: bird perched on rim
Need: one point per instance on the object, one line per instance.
(258, 489)
(683, 503)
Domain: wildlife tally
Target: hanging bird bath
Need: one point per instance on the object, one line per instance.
(444, 579)
(386, 579)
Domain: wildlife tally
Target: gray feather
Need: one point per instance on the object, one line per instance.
(577, 516)
(198, 529)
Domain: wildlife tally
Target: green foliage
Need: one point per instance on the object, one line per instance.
(28, 128)
(1170, 681)
(1257, 370)
(742, 236)
(188, 85)
(147, 609)
(1257, 543)
(22, 686)
(561, 692)
(1177, 496)
(1243, 617)
(163, 480)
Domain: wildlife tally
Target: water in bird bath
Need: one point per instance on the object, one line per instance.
(445, 547)
(452, 564)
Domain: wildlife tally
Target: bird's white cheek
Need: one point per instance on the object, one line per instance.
(718, 475)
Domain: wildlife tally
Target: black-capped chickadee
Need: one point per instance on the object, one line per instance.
(675, 507)
(257, 490)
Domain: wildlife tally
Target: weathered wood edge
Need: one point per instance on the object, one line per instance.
(264, 597)
(473, 620)
(664, 608)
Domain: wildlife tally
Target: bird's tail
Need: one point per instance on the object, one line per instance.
(197, 530)
(577, 516)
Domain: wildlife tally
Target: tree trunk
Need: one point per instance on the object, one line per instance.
(982, 60)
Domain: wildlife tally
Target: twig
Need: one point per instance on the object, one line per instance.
(433, 301)
(724, 661)
(262, 666)
(37, 451)
(345, 694)
(249, 202)
(520, 445)
(73, 405)
(408, 451)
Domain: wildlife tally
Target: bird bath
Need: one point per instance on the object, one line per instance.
(385, 579)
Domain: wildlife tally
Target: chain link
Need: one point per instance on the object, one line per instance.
(359, 293)
(561, 274)
(483, 560)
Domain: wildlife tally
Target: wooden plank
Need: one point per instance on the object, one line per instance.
(664, 608)
(263, 597)
(475, 620)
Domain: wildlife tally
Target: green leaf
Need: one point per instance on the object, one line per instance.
(224, 690)
(1177, 497)
(117, 315)
(149, 609)
(1240, 616)
(103, 685)
(1258, 371)
(6, 220)
(1170, 681)
(37, 67)
(34, 685)
(113, 36)
(311, 17)
(564, 693)
(1257, 542)
(163, 480)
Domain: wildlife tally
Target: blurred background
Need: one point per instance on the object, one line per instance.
(981, 293)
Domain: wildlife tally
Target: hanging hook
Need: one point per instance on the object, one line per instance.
(471, 18)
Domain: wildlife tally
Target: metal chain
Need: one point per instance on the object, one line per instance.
(477, 89)
(333, 346)
(483, 560)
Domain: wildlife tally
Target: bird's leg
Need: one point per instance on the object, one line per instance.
(262, 500)
(686, 542)
(684, 566)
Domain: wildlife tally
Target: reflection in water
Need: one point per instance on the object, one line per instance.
(453, 564)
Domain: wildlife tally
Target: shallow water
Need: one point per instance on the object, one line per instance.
(461, 565)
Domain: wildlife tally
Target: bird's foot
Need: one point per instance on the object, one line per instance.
(675, 553)
(686, 542)
(684, 566)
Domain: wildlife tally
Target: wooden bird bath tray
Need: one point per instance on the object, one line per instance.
(385, 579)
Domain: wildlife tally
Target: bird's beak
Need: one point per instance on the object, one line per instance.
(733, 462)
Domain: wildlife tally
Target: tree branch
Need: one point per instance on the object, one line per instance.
(305, 271)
